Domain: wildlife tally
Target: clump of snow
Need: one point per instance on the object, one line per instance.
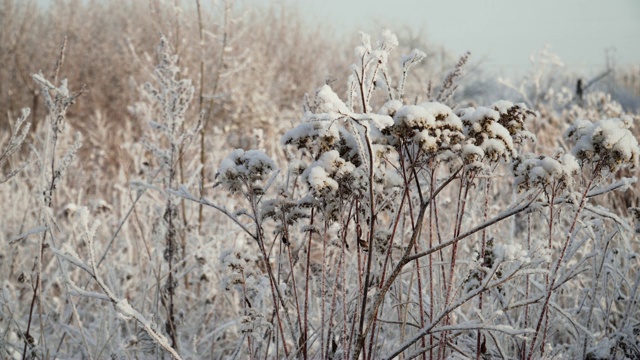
(319, 131)
(323, 175)
(125, 311)
(482, 126)
(388, 40)
(390, 107)
(379, 121)
(513, 118)
(310, 135)
(413, 58)
(431, 125)
(608, 142)
(531, 171)
(328, 102)
(364, 49)
(320, 181)
(244, 168)
(472, 153)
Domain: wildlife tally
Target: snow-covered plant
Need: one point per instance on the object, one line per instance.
(14, 143)
(497, 129)
(165, 108)
(357, 218)
(51, 168)
(245, 171)
(607, 144)
(531, 171)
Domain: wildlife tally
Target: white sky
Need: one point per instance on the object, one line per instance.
(503, 33)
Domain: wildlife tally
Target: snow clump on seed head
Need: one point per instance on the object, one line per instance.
(531, 171)
(432, 126)
(607, 141)
(318, 131)
(483, 128)
(245, 168)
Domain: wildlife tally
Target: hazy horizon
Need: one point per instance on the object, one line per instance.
(502, 34)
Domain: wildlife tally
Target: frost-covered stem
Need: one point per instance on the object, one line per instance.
(201, 38)
(56, 116)
(597, 271)
(526, 290)
(52, 140)
(463, 193)
(432, 210)
(205, 202)
(302, 342)
(275, 292)
(170, 239)
(373, 81)
(180, 149)
(353, 338)
(488, 284)
(405, 71)
(334, 298)
(36, 297)
(295, 290)
(413, 226)
(414, 176)
(201, 108)
(246, 311)
(462, 199)
(420, 298)
(361, 335)
(27, 335)
(414, 172)
(387, 81)
(361, 80)
(372, 336)
(236, 352)
(504, 215)
(551, 217)
(214, 90)
(549, 291)
(482, 251)
(406, 257)
(183, 235)
(105, 252)
(393, 233)
(438, 232)
(59, 61)
(396, 222)
(322, 289)
(346, 344)
(74, 309)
